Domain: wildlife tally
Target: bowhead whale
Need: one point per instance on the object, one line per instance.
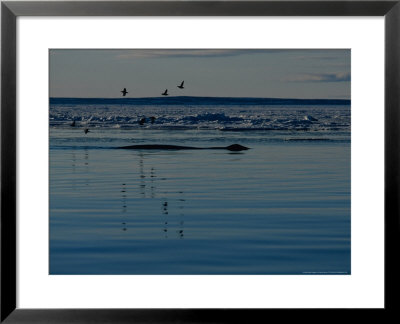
(233, 147)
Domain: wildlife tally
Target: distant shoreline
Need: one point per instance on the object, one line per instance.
(182, 100)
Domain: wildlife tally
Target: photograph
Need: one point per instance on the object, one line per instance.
(213, 161)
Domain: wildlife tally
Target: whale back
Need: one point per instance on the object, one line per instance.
(233, 147)
(236, 147)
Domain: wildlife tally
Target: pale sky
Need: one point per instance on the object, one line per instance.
(300, 73)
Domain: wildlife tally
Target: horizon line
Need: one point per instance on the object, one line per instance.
(222, 97)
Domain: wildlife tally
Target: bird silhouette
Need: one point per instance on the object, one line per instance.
(86, 130)
(124, 92)
(165, 92)
(181, 86)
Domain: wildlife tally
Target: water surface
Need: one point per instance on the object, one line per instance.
(282, 207)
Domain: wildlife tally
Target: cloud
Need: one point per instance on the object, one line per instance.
(149, 53)
(320, 77)
(198, 52)
(316, 57)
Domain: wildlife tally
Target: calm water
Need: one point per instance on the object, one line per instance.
(282, 207)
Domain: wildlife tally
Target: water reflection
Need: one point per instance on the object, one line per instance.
(124, 206)
(174, 222)
(150, 188)
(181, 206)
(142, 176)
(86, 167)
(73, 164)
(144, 182)
(165, 217)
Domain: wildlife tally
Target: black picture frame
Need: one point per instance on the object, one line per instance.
(10, 10)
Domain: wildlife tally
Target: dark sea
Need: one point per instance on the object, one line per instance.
(281, 207)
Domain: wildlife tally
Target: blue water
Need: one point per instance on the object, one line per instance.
(282, 207)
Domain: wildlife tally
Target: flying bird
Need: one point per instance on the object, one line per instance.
(86, 130)
(165, 92)
(124, 92)
(181, 86)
